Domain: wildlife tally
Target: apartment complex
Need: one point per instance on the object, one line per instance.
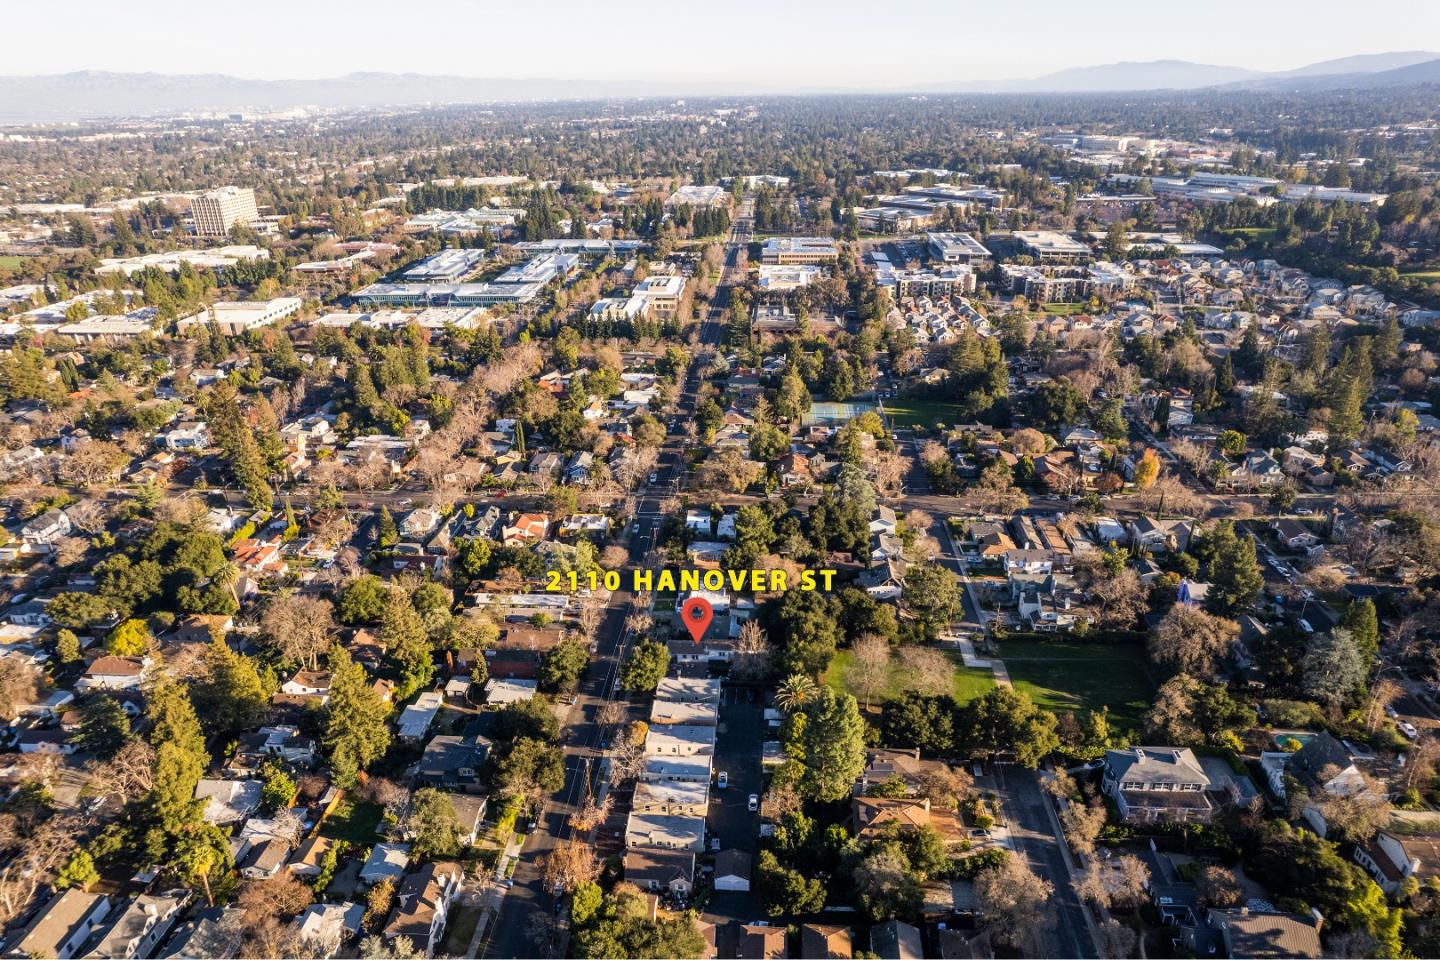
(216, 211)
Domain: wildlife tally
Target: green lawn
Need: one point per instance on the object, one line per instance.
(8, 262)
(1417, 274)
(969, 682)
(464, 918)
(354, 821)
(1253, 233)
(1064, 309)
(921, 413)
(1063, 675)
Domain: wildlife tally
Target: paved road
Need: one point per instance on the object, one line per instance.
(738, 749)
(528, 902)
(1034, 836)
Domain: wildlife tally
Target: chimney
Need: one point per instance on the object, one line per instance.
(1318, 917)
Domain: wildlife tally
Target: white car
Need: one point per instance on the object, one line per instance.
(753, 803)
(1408, 728)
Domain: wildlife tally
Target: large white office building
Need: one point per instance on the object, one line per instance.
(216, 211)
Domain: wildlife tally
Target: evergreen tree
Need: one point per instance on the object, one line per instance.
(180, 757)
(356, 729)
(232, 696)
(404, 635)
(832, 744)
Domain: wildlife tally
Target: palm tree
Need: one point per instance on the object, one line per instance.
(796, 691)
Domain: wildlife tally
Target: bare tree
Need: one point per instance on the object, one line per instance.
(1083, 824)
(128, 774)
(300, 628)
(946, 787)
(1016, 904)
(1355, 814)
(1118, 882)
(1218, 887)
(868, 674)
(754, 654)
(569, 865)
(927, 670)
(20, 684)
(1189, 640)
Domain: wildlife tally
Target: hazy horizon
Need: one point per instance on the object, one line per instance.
(840, 44)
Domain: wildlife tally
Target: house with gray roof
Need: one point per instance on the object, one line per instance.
(1158, 785)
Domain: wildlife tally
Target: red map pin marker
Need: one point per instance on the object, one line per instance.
(697, 614)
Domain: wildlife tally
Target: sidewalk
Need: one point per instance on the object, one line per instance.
(970, 658)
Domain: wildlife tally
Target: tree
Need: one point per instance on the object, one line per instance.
(363, 601)
(832, 744)
(202, 860)
(885, 883)
(299, 628)
(433, 824)
(129, 639)
(1235, 577)
(405, 636)
(356, 729)
(1015, 903)
(79, 872)
(868, 674)
(279, 788)
(1005, 719)
(1332, 669)
(387, 534)
(232, 695)
(1360, 619)
(378, 903)
(1147, 469)
(645, 667)
(1118, 882)
(807, 622)
(1189, 640)
(20, 684)
(180, 756)
(784, 891)
(562, 667)
(1218, 887)
(796, 692)
(104, 727)
(932, 594)
(67, 646)
(571, 865)
(621, 925)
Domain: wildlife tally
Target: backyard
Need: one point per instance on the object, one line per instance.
(1065, 675)
(353, 820)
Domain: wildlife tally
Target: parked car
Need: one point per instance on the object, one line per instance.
(1408, 728)
(753, 803)
(722, 781)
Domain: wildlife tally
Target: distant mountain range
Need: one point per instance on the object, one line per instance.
(96, 95)
(1369, 70)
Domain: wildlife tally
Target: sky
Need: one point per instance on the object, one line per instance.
(859, 44)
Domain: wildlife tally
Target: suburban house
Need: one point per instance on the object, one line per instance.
(62, 926)
(1158, 784)
(113, 673)
(422, 903)
(1391, 858)
(655, 870)
(141, 925)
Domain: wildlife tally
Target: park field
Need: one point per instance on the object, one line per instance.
(1069, 676)
(8, 262)
(967, 683)
(921, 413)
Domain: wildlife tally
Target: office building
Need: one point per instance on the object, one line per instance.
(956, 248)
(216, 211)
(789, 251)
(1050, 246)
